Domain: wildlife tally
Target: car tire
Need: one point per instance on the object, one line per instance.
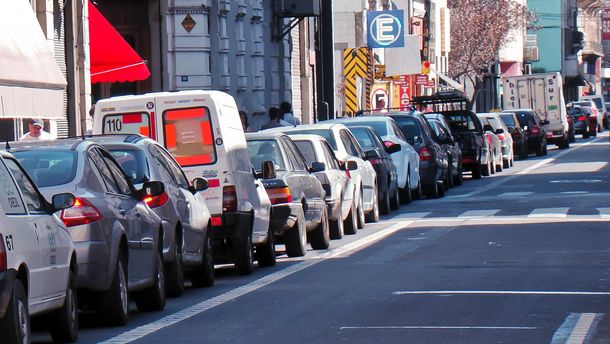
(265, 253)
(243, 257)
(418, 193)
(373, 215)
(545, 150)
(175, 271)
(459, 177)
(295, 239)
(203, 276)
(65, 319)
(478, 171)
(350, 225)
(360, 212)
(15, 326)
(153, 299)
(441, 189)
(113, 304)
(523, 153)
(384, 203)
(505, 163)
(395, 200)
(405, 194)
(432, 190)
(448, 183)
(320, 237)
(499, 167)
(485, 171)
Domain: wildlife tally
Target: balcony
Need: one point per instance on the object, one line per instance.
(592, 48)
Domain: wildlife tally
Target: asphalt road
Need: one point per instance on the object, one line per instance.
(522, 256)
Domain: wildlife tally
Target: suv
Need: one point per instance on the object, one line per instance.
(187, 236)
(37, 259)
(517, 132)
(534, 126)
(466, 127)
(118, 238)
(443, 136)
(601, 106)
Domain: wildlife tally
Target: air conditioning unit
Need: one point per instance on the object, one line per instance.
(300, 8)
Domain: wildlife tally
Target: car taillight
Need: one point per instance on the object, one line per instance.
(229, 198)
(216, 221)
(279, 195)
(388, 144)
(3, 258)
(582, 118)
(375, 161)
(502, 137)
(81, 213)
(342, 164)
(425, 154)
(156, 201)
(535, 130)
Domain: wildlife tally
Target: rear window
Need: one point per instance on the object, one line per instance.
(49, 167)
(189, 137)
(409, 127)
(265, 150)
(524, 118)
(133, 162)
(598, 103)
(306, 148)
(509, 120)
(462, 123)
(380, 127)
(325, 133)
(494, 123)
(128, 123)
(364, 138)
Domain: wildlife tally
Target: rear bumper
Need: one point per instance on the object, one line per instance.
(93, 260)
(283, 217)
(235, 226)
(7, 280)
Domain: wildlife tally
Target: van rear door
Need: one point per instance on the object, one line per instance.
(130, 115)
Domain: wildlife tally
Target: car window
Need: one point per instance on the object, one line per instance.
(598, 103)
(10, 199)
(127, 123)
(462, 123)
(119, 176)
(189, 137)
(397, 131)
(161, 166)
(494, 123)
(265, 150)
(295, 157)
(349, 145)
(307, 150)
(325, 133)
(49, 167)
(98, 162)
(133, 162)
(380, 127)
(409, 128)
(509, 120)
(30, 196)
(364, 138)
(331, 160)
(356, 146)
(174, 168)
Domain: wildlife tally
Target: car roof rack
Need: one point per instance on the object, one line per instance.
(446, 99)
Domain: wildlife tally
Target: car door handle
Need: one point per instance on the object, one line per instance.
(122, 211)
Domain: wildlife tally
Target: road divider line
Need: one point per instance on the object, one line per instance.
(576, 328)
(604, 213)
(144, 330)
(479, 213)
(501, 292)
(438, 328)
(550, 212)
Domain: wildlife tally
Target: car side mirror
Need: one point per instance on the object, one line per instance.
(63, 201)
(393, 148)
(445, 139)
(545, 122)
(318, 167)
(154, 188)
(499, 131)
(351, 165)
(200, 184)
(268, 169)
(371, 154)
(411, 140)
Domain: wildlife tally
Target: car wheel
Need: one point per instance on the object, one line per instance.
(505, 163)
(65, 319)
(336, 228)
(265, 253)
(395, 200)
(243, 256)
(594, 133)
(153, 298)
(485, 171)
(384, 203)
(113, 306)
(500, 166)
(373, 215)
(432, 190)
(174, 270)
(492, 165)
(350, 225)
(448, 183)
(295, 239)
(545, 150)
(523, 153)
(405, 194)
(360, 213)
(459, 177)
(320, 237)
(418, 193)
(15, 326)
(203, 276)
(478, 170)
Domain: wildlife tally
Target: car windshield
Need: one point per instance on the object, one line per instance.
(363, 137)
(380, 127)
(49, 167)
(409, 127)
(461, 123)
(494, 123)
(524, 118)
(265, 150)
(598, 102)
(325, 133)
(133, 162)
(509, 120)
(306, 148)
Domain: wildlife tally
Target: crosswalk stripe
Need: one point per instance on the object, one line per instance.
(418, 215)
(479, 213)
(549, 212)
(604, 213)
(516, 194)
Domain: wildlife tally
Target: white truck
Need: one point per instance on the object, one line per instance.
(542, 93)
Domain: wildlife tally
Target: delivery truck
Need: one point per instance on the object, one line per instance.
(542, 93)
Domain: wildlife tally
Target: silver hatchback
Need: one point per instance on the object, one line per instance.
(118, 238)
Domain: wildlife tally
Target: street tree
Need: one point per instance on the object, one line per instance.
(479, 28)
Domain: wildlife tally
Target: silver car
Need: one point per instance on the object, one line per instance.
(118, 238)
(187, 237)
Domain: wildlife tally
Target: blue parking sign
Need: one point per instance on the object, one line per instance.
(385, 29)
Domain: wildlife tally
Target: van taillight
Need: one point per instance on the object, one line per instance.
(279, 195)
(535, 130)
(3, 258)
(425, 154)
(582, 118)
(229, 198)
(81, 213)
(156, 201)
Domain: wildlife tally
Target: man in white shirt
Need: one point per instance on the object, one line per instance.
(36, 132)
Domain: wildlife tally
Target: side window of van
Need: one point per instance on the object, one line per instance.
(129, 123)
(189, 136)
(9, 197)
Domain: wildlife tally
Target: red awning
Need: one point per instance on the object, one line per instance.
(112, 59)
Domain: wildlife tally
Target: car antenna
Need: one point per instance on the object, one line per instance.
(7, 146)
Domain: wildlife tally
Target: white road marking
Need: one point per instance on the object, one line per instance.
(550, 212)
(479, 213)
(575, 328)
(604, 213)
(418, 215)
(517, 194)
(203, 306)
(438, 328)
(574, 192)
(499, 292)
(582, 328)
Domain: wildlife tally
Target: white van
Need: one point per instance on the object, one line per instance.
(202, 130)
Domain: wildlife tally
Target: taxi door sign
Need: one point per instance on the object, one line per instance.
(385, 29)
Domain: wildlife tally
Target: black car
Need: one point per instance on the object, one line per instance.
(434, 168)
(534, 126)
(298, 205)
(518, 134)
(581, 117)
(443, 136)
(379, 155)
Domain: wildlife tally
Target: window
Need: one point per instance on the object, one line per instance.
(347, 143)
(10, 200)
(133, 162)
(509, 120)
(118, 174)
(129, 123)
(363, 137)
(49, 167)
(295, 157)
(28, 190)
(355, 146)
(111, 185)
(397, 131)
(331, 160)
(380, 127)
(174, 168)
(494, 123)
(307, 150)
(265, 150)
(189, 137)
(325, 133)
(409, 128)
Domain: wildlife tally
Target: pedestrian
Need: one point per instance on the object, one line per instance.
(243, 116)
(274, 119)
(287, 115)
(36, 132)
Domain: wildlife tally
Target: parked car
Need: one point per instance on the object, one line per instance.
(299, 210)
(118, 238)
(534, 126)
(495, 148)
(346, 148)
(584, 122)
(406, 160)
(518, 134)
(203, 131)
(380, 155)
(187, 228)
(37, 260)
(335, 181)
(598, 104)
(434, 164)
(443, 136)
(501, 131)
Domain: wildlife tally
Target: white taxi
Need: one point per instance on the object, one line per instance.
(37, 260)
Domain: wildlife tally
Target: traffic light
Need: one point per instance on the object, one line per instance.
(425, 67)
